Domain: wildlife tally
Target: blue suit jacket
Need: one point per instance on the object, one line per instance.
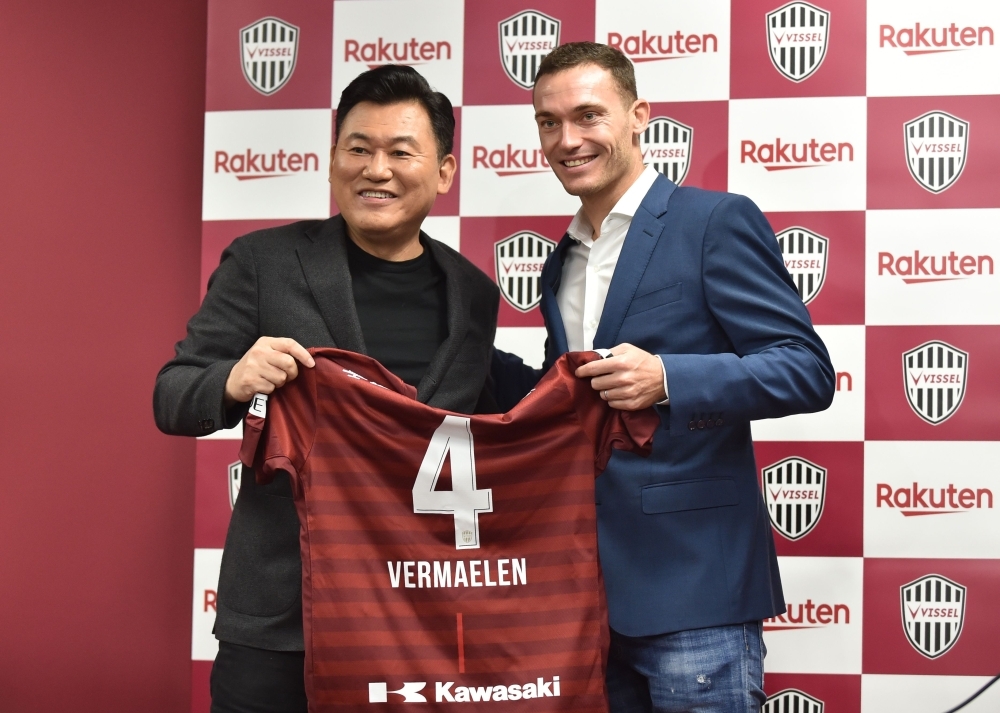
(684, 536)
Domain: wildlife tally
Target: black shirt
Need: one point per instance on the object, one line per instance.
(402, 309)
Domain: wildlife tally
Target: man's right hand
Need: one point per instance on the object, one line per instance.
(270, 363)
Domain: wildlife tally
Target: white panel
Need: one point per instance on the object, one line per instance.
(845, 419)
(444, 228)
(226, 434)
(821, 632)
(693, 66)
(929, 58)
(425, 34)
(204, 645)
(527, 342)
(932, 499)
(926, 694)
(503, 169)
(799, 154)
(932, 267)
(267, 164)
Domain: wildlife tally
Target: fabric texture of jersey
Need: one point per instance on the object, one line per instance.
(446, 558)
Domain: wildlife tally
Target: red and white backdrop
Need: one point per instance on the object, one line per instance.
(868, 133)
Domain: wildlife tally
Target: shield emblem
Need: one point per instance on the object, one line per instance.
(519, 259)
(525, 38)
(805, 259)
(235, 476)
(796, 37)
(268, 49)
(794, 492)
(933, 614)
(792, 701)
(934, 376)
(666, 146)
(935, 149)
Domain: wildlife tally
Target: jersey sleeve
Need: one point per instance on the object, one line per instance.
(279, 429)
(608, 428)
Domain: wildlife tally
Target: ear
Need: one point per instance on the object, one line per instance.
(640, 116)
(446, 173)
(333, 154)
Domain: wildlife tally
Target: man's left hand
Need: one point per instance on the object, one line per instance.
(631, 379)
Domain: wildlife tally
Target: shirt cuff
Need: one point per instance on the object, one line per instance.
(666, 401)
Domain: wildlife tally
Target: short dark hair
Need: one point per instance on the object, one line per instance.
(575, 54)
(393, 84)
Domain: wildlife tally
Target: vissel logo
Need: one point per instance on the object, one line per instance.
(379, 692)
(916, 501)
(936, 145)
(248, 165)
(805, 254)
(794, 492)
(797, 35)
(933, 614)
(235, 477)
(791, 700)
(654, 48)
(519, 260)
(934, 376)
(269, 48)
(919, 40)
(666, 145)
(525, 39)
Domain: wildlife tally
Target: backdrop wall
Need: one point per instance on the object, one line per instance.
(101, 115)
(866, 131)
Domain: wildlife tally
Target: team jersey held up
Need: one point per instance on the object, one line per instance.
(446, 559)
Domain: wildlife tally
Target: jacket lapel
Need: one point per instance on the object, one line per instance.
(551, 277)
(641, 239)
(458, 320)
(324, 263)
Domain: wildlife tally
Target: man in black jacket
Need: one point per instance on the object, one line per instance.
(366, 280)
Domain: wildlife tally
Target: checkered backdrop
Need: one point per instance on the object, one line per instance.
(867, 133)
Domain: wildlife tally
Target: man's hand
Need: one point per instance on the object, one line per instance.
(270, 363)
(629, 380)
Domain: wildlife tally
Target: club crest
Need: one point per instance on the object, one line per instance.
(934, 376)
(936, 145)
(933, 614)
(797, 35)
(805, 254)
(268, 49)
(794, 492)
(666, 146)
(525, 39)
(235, 476)
(519, 259)
(791, 700)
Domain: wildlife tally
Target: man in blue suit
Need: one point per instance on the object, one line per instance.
(688, 289)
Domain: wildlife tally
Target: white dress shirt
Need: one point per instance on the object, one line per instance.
(590, 265)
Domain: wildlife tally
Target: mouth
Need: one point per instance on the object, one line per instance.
(577, 162)
(376, 195)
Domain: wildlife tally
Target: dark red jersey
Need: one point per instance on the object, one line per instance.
(445, 558)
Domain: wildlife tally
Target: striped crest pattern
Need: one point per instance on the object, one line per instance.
(268, 50)
(934, 376)
(933, 614)
(797, 35)
(666, 146)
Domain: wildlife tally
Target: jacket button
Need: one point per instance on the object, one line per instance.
(701, 424)
(690, 425)
(709, 423)
(718, 422)
(207, 425)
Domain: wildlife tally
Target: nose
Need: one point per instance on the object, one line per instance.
(377, 168)
(570, 136)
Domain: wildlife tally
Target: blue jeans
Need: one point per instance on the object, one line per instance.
(715, 670)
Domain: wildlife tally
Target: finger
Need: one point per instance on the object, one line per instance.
(608, 382)
(272, 374)
(284, 362)
(290, 346)
(596, 368)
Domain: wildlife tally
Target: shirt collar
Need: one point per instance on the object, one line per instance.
(580, 228)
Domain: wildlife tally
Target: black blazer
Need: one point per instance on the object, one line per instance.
(293, 281)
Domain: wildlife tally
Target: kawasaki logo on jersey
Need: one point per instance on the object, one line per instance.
(443, 692)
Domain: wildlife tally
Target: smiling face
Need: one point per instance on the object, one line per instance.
(588, 132)
(385, 175)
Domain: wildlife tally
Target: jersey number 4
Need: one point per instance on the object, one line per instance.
(453, 437)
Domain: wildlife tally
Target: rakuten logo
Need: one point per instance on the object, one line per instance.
(809, 616)
(653, 48)
(510, 161)
(917, 268)
(781, 156)
(918, 40)
(375, 54)
(249, 165)
(914, 500)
